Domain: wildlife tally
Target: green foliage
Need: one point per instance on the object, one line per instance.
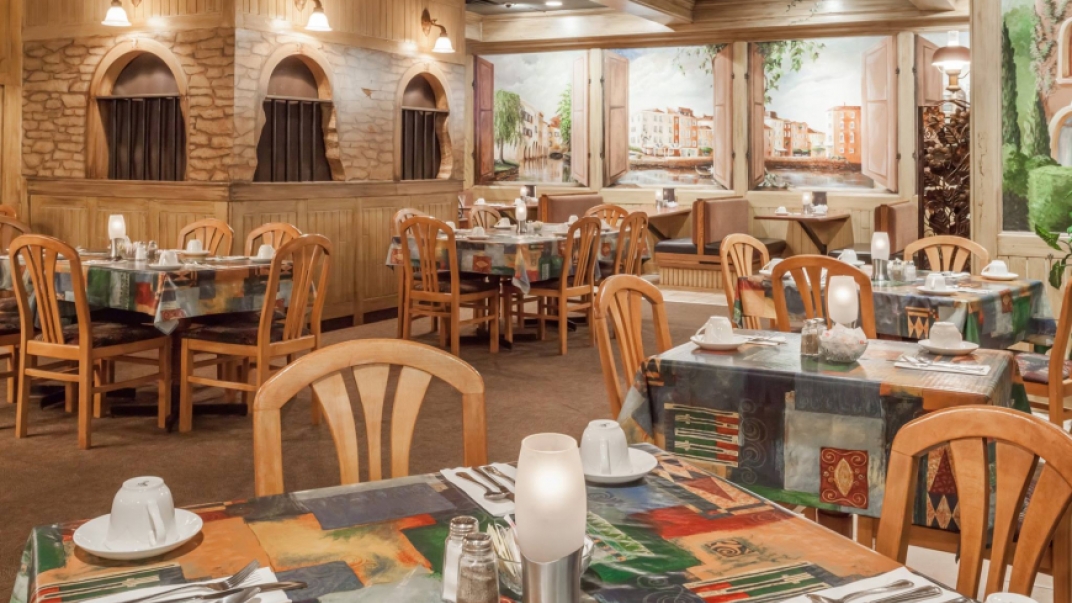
(1036, 132)
(1014, 165)
(1049, 197)
(1010, 126)
(706, 54)
(1053, 239)
(507, 119)
(565, 114)
(1046, 29)
(706, 150)
(786, 56)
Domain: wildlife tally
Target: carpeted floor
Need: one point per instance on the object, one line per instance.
(45, 478)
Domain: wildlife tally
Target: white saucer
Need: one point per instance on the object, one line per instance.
(92, 535)
(929, 291)
(965, 347)
(737, 342)
(257, 260)
(642, 462)
(196, 254)
(1008, 276)
(857, 263)
(482, 237)
(165, 267)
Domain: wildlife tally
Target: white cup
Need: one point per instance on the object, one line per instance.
(572, 219)
(480, 201)
(168, 257)
(604, 450)
(996, 268)
(478, 231)
(848, 256)
(1009, 598)
(265, 252)
(503, 223)
(717, 329)
(770, 265)
(946, 335)
(195, 246)
(781, 210)
(143, 515)
(936, 282)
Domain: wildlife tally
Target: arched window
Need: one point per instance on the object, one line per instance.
(292, 148)
(423, 118)
(143, 123)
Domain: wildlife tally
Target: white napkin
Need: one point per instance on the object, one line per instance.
(497, 508)
(263, 575)
(766, 340)
(898, 574)
(979, 370)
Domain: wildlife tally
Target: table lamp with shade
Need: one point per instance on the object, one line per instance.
(117, 231)
(521, 212)
(551, 510)
(806, 200)
(880, 257)
(844, 343)
(843, 301)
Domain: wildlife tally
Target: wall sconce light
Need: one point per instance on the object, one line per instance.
(953, 60)
(318, 21)
(116, 16)
(443, 44)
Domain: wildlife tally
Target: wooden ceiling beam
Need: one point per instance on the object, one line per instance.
(663, 12)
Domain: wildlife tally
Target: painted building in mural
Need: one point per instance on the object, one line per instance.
(670, 133)
(844, 139)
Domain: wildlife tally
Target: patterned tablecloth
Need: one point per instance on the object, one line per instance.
(803, 432)
(1008, 313)
(678, 535)
(168, 296)
(525, 258)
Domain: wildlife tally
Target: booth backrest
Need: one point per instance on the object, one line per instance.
(718, 218)
(901, 221)
(556, 209)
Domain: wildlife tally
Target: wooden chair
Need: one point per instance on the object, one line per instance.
(396, 223)
(618, 302)
(1022, 444)
(632, 243)
(484, 217)
(740, 254)
(215, 235)
(80, 348)
(1049, 377)
(10, 229)
(949, 253)
(612, 214)
(439, 291)
(276, 234)
(307, 259)
(370, 361)
(8, 211)
(808, 269)
(577, 281)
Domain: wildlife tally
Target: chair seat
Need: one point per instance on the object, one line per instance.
(1036, 367)
(111, 333)
(9, 325)
(236, 333)
(465, 286)
(553, 283)
(9, 305)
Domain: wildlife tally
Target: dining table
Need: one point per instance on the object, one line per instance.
(993, 314)
(678, 534)
(801, 431)
(822, 229)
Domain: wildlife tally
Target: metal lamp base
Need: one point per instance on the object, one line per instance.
(880, 271)
(113, 253)
(552, 582)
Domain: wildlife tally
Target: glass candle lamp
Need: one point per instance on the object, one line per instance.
(843, 302)
(880, 256)
(117, 230)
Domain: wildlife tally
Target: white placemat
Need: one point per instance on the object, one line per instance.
(497, 508)
(979, 370)
(898, 574)
(263, 575)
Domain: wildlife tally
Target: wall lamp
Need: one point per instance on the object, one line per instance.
(117, 15)
(443, 44)
(318, 21)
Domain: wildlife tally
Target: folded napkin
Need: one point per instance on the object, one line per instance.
(887, 578)
(765, 340)
(495, 507)
(980, 370)
(263, 575)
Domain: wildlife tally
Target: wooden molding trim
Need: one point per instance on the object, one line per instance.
(665, 12)
(127, 189)
(934, 4)
(239, 191)
(177, 23)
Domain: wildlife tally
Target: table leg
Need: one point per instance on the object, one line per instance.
(814, 237)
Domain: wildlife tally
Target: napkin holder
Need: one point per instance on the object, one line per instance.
(556, 581)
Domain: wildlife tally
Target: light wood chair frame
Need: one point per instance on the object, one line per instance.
(424, 231)
(1058, 388)
(216, 236)
(808, 269)
(8, 212)
(632, 242)
(370, 361)
(484, 216)
(1022, 444)
(276, 234)
(612, 214)
(79, 365)
(310, 258)
(949, 253)
(396, 224)
(740, 254)
(619, 303)
(10, 229)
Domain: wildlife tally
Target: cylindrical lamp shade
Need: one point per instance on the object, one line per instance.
(521, 210)
(117, 226)
(880, 246)
(842, 300)
(552, 503)
(806, 199)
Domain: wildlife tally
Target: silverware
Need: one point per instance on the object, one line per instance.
(495, 482)
(221, 584)
(489, 494)
(918, 594)
(242, 596)
(963, 367)
(878, 590)
(492, 469)
(220, 597)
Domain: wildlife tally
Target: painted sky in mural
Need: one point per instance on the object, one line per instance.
(538, 77)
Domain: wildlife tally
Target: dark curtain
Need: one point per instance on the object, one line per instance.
(420, 145)
(146, 138)
(291, 148)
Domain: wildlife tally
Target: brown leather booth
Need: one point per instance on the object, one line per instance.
(712, 221)
(900, 220)
(556, 209)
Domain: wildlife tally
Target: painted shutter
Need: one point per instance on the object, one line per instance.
(722, 139)
(484, 112)
(928, 77)
(757, 92)
(879, 114)
(579, 122)
(616, 127)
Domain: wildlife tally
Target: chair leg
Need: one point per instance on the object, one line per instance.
(186, 402)
(22, 406)
(444, 331)
(493, 312)
(455, 330)
(70, 397)
(243, 377)
(163, 407)
(100, 377)
(85, 403)
(563, 326)
(407, 322)
(13, 366)
(508, 313)
(590, 312)
(1062, 559)
(541, 311)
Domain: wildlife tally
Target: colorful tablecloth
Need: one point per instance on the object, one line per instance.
(1007, 314)
(679, 535)
(526, 258)
(168, 296)
(803, 432)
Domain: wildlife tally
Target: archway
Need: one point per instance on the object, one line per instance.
(425, 123)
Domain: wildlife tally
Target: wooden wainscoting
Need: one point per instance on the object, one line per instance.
(1029, 257)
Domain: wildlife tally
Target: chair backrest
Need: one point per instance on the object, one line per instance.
(807, 271)
(215, 235)
(632, 243)
(1057, 354)
(1021, 444)
(370, 361)
(8, 212)
(275, 234)
(949, 253)
(556, 209)
(716, 219)
(581, 253)
(401, 216)
(483, 216)
(10, 229)
(421, 233)
(612, 214)
(308, 259)
(739, 254)
(901, 221)
(618, 302)
(39, 256)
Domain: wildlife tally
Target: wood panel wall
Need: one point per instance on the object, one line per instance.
(58, 13)
(11, 184)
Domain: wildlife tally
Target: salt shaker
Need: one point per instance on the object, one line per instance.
(910, 272)
(460, 527)
(809, 336)
(151, 251)
(478, 572)
(897, 270)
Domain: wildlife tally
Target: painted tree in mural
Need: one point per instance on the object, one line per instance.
(778, 56)
(565, 114)
(1036, 135)
(1010, 124)
(507, 120)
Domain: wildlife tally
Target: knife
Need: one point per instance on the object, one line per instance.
(269, 586)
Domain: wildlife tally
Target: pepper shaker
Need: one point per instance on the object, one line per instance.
(809, 337)
(460, 527)
(478, 572)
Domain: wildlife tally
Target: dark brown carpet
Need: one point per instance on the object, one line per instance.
(45, 478)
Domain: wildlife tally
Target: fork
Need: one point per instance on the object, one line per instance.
(878, 590)
(494, 482)
(219, 585)
(489, 494)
